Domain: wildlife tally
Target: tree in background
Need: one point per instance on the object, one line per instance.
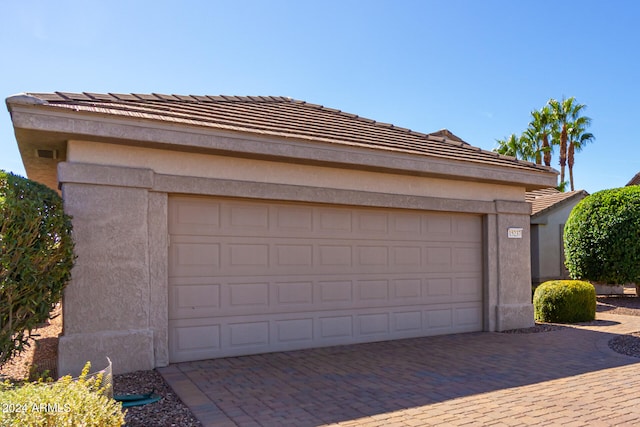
(557, 124)
(541, 126)
(569, 127)
(530, 140)
(578, 138)
(514, 146)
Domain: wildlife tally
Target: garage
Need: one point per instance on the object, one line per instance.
(217, 226)
(250, 277)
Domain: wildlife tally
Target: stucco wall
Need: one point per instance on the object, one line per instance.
(116, 303)
(224, 167)
(546, 251)
(106, 305)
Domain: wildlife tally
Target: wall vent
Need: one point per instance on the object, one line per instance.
(47, 154)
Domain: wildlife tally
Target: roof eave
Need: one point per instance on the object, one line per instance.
(38, 124)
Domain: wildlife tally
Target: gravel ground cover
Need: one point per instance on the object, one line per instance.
(170, 411)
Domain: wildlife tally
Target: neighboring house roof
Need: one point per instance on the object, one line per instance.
(549, 198)
(446, 133)
(635, 180)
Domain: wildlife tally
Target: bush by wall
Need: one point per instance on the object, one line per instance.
(36, 256)
(602, 237)
(66, 402)
(565, 301)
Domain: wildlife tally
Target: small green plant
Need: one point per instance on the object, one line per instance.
(565, 301)
(66, 402)
(36, 256)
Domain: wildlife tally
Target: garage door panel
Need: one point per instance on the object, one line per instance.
(334, 327)
(189, 259)
(407, 322)
(294, 255)
(438, 259)
(294, 331)
(194, 300)
(373, 224)
(406, 256)
(194, 216)
(374, 324)
(335, 255)
(406, 289)
(454, 318)
(468, 228)
(438, 289)
(468, 288)
(256, 276)
(334, 222)
(468, 317)
(248, 334)
(372, 290)
(240, 216)
(439, 318)
(335, 293)
(373, 256)
(296, 294)
(406, 225)
(195, 339)
(467, 259)
(438, 226)
(294, 219)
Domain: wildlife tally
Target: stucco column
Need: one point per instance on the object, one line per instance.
(490, 297)
(513, 293)
(158, 276)
(107, 303)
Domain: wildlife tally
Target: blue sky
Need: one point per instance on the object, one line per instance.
(475, 67)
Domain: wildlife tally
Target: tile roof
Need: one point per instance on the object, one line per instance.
(545, 199)
(281, 117)
(635, 180)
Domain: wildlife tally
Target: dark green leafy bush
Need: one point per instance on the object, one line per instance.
(36, 256)
(602, 237)
(565, 301)
(66, 402)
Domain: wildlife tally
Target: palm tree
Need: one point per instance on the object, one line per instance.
(564, 115)
(517, 147)
(529, 139)
(508, 146)
(541, 126)
(578, 138)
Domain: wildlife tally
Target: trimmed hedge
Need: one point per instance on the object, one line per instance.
(36, 256)
(565, 301)
(66, 402)
(602, 237)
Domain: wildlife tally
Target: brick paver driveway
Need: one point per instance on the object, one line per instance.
(566, 377)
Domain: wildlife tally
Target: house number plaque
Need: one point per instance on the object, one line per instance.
(514, 233)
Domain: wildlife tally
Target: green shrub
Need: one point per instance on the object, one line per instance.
(36, 256)
(66, 402)
(565, 301)
(602, 237)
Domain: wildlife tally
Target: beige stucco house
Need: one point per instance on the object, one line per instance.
(550, 210)
(220, 226)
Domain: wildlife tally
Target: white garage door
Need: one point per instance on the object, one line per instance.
(250, 277)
